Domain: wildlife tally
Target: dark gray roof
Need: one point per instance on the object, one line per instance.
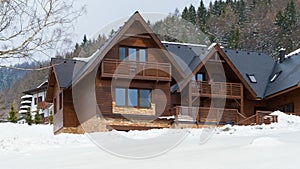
(258, 64)
(66, 69)
(187, 56)
(289, 76)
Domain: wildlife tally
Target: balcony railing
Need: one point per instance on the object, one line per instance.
(136, 70)
(206, 115)
(217, 89)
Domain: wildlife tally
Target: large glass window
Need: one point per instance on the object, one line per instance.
(140, 98)
(122, 53)
(133, 54)
(142, 53)
(145, 99)
(132, 97)
(120, 97)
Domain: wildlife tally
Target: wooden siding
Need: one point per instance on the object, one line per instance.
(287, 98)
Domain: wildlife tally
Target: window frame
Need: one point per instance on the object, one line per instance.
(137, 57)
(250, 77)
(127, 102)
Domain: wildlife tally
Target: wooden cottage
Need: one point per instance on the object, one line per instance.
(136, 82)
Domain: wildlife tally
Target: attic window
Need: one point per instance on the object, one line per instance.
(275, 76)
(252, 78)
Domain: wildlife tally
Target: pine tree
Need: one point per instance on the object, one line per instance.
(37, 117)
(192, 14)
(84, 41)
(28, 117)
(185, 14)
(234, 39)
(50, 118)
(290, 13)
(201, 16)
(12, 115)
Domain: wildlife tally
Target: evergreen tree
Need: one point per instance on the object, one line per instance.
(234, 39)
(12, 115)
(50, 118)
(192, 14)
(290, 13)
(37, 117)
(84, 41)
(201, 16)
(28, 117)
(185, 14)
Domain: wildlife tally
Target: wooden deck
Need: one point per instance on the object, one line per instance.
(206, 115)
(260, 117)
(217, 89)
(136, 70)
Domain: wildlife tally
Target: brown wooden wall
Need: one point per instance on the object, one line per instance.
(287, 98)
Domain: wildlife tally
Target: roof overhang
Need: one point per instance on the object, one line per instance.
(283, 91)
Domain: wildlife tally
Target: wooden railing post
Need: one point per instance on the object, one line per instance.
(176, 114)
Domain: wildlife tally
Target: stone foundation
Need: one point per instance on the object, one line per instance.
(133, 110)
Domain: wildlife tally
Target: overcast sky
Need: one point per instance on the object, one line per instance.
(101, 13)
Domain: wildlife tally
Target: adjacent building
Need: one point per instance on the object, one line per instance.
(34, 101)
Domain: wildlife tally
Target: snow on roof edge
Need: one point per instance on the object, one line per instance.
(186, 44)
(293, 53)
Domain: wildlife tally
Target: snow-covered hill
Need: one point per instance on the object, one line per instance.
(273, 146)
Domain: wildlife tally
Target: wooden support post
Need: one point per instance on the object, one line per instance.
(190, 104)
(242, 100)
(176, 114)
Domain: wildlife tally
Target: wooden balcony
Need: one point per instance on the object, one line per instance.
(136, 70)
(206, 115)
(217, 89)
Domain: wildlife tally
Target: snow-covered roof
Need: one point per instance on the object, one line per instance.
(293, 53)
(26, 96)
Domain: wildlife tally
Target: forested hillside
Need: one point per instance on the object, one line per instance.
(259, 25)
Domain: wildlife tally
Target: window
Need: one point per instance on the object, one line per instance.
(142, 54)
(122, 53)
(198, 77)
(35, 101)
(275, 76)
(140, 98)
(252, 78)
(60, 100)
(120, 97)
(40, 99)
(132, 97)
(145, 98)
(132, 54)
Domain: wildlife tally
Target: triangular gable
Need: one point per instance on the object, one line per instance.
(213, 50)
(100, 54)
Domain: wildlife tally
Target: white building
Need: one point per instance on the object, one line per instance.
(34, 100)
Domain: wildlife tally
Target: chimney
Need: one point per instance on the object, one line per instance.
(281, 55)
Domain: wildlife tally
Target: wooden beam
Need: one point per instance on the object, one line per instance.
(242, 100)
(137, 36)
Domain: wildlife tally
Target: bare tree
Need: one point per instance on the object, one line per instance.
(35, 27)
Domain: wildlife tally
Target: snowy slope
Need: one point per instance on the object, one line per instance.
(274, 146)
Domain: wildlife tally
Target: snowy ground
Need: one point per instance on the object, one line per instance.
(275, 146)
